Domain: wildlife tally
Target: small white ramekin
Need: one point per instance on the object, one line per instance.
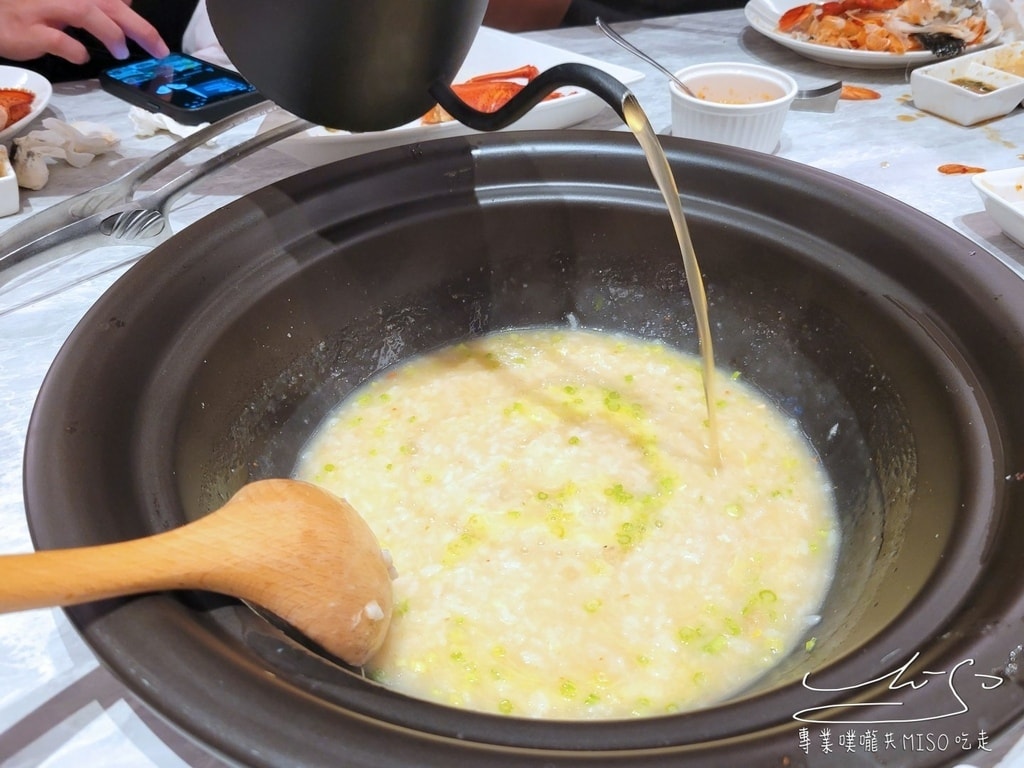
(10, 198)
(737, 103)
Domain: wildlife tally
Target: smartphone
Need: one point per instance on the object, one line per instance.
(190, 90)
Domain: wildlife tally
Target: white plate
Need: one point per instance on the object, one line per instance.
(16, 77)
(1002, 192)
(492, 51)
(764, 15)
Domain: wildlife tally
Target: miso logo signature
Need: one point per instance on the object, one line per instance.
(948, 706)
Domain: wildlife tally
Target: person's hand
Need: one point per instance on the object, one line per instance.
(32, 28)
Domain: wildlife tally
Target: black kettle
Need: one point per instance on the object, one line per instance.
(370, 65)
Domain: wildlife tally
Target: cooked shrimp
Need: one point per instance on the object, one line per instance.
(944, 27)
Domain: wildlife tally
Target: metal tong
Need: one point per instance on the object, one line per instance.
(109, 214)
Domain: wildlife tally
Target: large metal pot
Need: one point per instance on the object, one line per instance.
(895, 343)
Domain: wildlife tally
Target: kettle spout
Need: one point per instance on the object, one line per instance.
(584, 76)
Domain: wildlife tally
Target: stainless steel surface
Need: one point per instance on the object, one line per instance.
(142, 222)
(825, 90)
(122, 189)
(823, 99)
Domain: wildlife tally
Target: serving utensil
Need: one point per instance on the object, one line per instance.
(821, 99)
(615, 37)
(820, 96)
(122, 189)
(287, 546)
(140, 222)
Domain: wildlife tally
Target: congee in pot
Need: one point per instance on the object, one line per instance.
(567, 546)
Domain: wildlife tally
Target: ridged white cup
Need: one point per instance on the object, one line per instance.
(740, 104)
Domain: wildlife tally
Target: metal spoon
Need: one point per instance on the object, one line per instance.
(812, 93)
(287, 546)
(616, 37)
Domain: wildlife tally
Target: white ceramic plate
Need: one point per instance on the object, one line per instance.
(763, 16)
(492, 51)
(1002, 192)
(16, 77)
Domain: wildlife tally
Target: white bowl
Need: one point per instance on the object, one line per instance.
(10, 198)
(1002, 192)
(736, 103)
(940, 88)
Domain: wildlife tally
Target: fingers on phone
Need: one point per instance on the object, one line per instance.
(141, 31)
(107, 29)
(60, 44)
(114, 23)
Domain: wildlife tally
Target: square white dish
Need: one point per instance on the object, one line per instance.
(1002, 192)
(10, 198)
(492, 51)
(934, 87)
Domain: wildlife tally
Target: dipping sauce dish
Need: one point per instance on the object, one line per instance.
(736, 103)
(972, 89)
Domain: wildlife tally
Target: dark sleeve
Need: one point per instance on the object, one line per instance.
(171, 17)
(583, 12)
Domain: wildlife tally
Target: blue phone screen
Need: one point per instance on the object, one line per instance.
(182, 81)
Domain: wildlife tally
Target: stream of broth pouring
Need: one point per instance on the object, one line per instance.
(641, 127)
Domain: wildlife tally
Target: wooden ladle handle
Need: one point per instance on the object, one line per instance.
(72, 576)
(290, 547)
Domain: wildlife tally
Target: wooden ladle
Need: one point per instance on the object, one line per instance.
(287, 546)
